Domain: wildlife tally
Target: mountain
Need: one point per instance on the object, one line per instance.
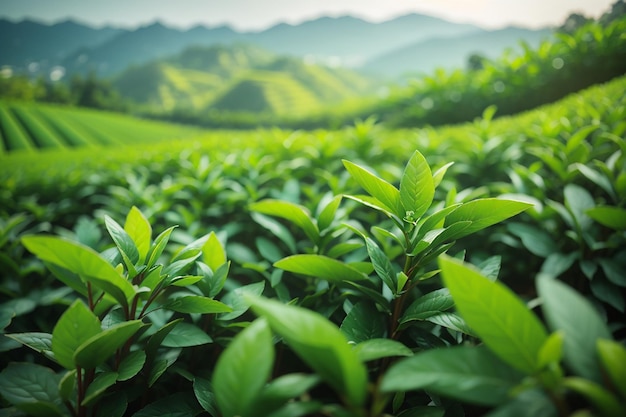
(333, 41)
(425, 56)
(29, 42)
(238, 78)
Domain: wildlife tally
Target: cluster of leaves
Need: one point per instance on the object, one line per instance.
(357, 288)
(569, 62)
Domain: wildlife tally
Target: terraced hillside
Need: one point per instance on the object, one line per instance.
(32, 127)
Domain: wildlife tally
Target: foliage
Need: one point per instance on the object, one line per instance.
(309, 265)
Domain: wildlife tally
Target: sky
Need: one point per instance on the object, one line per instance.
(250, 15)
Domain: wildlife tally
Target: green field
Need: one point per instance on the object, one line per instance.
(31, 127)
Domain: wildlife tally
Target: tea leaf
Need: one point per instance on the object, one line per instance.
(428, 305)
(363, 322)
(372, 349)
(378, 188)
(75, 326)
(185, 335)
(319, 343)
(237, 301)
(29, 383)
(613, 357)
(321, 267)
(382, 265)
(470, 374)
(496, 314)
(582, 326)
(613, 217)
(213, 253)
(484, 213)
(243, 369)
(197, 304)
(295, 213)
(417, 188)
(140, 231)
(98, 387)
(158, 246)
(131, 365)
(98, 348)
(124, 243)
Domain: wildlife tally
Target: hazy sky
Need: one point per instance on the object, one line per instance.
(260, 14)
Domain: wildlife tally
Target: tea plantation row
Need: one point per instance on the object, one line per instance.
(298, 282)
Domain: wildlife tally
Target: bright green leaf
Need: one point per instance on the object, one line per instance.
(485, 212)
(417, 188)
(378, 188)
(213, 253)
(243, 369)
(140, 231)
(552, 349)
(98, 348)
(295, 213)
(603, 400)
(321, 267)
(197, 304)
(613, 358)
(319, 343)
(75, 326)
(428, 305)
(613, 217)
(496, 314)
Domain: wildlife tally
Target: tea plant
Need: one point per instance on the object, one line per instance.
(124, 313)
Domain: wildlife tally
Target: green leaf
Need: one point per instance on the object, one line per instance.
(371, 202)
(158, 246)
(496, 314)
(140, 231)
(439, 173)
(124, 243)
(321, 267)
(363, 322)
(83, 261)
(112, 405)
(451, 321)
(39, 342)
(237, 301)
(175, 405)
(154, 342)
(566, 310)
(131, 365)
(186, 335)
(603, 400)
(67, 385)
(609, 216)
(22, 383)
(382, 265)
(417, 187)
(530, 402)
(373, 349)
(537, 241)
(428, 305)
(469, 374)
(75, 326)
(378, 188)
(243, 369)
(319, 343)
(213, 253)
(327, 215)
(97, 349)
(282, 389)
(552, 349)
(98, 387)
(203, 389)
(579, 201)
(295, 213)
(197, 304)
(613, 358)
(485, 212)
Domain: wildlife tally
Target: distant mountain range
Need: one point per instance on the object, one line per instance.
(388, 48)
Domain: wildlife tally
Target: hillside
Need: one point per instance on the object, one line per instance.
(238, 78)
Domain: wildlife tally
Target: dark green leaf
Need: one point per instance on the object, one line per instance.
(470, 374)
(363, 322)
(185, 335)
(176, 405)
(131, 365)
(282, 389)
(428, 305)
(98, 387)
(22, 383)
(382, 265)
(236, 300)
(203, 390)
